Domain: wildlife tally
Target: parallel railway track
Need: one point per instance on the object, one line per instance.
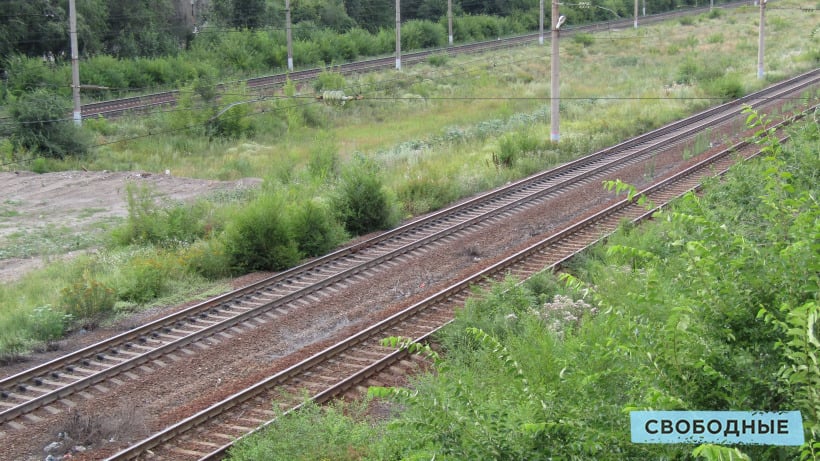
(126, 353)
(349, 363)
(95, 370)
(267, 84)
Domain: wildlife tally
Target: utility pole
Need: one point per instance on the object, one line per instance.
(636, 14)
(761, 37)
(450, 20)
(289, 36)
(554, 85)
(75, 62)
(398, 34)
(541, 23)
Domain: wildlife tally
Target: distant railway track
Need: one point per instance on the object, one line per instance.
(361, 357)
(95, 369)
(265, 85)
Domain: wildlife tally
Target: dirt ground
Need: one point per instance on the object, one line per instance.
(72, 204)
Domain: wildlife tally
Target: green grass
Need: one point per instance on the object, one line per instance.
(437, 133)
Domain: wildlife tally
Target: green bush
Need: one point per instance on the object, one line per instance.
(207, 258)
(315, 228)
(328, 80)
(167, 226)
(362, 201)
(260, 237)
(87, 300)
(583, 39)
(42, 125)
(727, 87)
(419, 35)
(47, 324)
(143, 279)
(421, 194)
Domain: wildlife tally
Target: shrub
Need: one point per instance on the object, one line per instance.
(425, 193)
(329, 80)
(87, 300)
(168, 226)
(144, 279)
(583, 39)
(315, 228)
(208, 258)
(362, 202)
(323, 163)
(260, 238)
(438, 60)
(47, 323)
(42, 125)
(417, 35)
(727, 87)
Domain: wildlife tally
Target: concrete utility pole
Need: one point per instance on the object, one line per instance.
(636, 14)
(554, 84)
(450, 20)
(288, 34)
(398, 35)
(541, 23)
(75, 62)
(761, 37)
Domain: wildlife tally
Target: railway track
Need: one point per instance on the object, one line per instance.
(350, 363)
(95, 368)
(267, 84)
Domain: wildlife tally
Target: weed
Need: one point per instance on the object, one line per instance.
(87, 300)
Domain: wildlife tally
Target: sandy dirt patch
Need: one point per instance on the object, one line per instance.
(54, 211)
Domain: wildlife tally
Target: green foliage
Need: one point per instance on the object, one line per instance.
(144, 279)
(718, 453)
(47, 323)
(87, 300)
(438, 60)
(207, 258)
(315, 228)
(583, 39)
(42, 126)
(361, 201)
(166, 226)
(260, 237)
(328, 80)
(324, 162)
(726, 87)
(337, 431)
(419, 35)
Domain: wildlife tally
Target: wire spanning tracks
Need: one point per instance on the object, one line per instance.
(87, 369)
(351, 363)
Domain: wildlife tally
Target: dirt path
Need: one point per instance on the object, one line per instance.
(47, 214)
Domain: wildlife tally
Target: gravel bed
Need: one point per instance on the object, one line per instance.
(200, 378)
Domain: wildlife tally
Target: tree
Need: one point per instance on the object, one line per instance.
(42, 125)
(144, 28)
(240, 14)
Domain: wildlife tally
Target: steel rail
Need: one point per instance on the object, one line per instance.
(139, 103)
(94, 351)
(494, 272)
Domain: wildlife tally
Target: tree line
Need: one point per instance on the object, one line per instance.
(151, 28)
